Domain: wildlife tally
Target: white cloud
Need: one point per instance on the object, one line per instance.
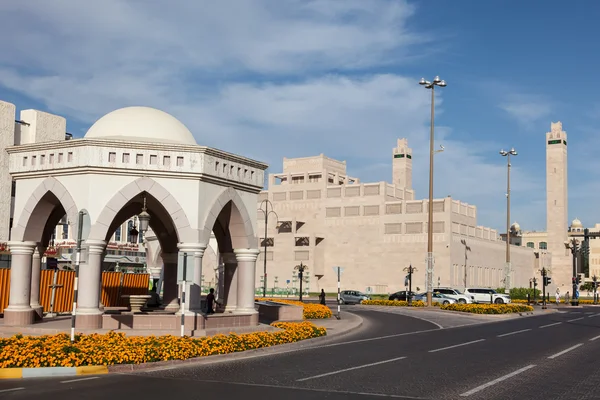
(527, 109)
(267, 79)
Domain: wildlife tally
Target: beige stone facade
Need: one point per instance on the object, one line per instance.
(375, 230)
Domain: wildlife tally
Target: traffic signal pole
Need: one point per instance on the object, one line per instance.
(544, 283)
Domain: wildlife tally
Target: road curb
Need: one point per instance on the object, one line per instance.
(46, 372)
(306, 344)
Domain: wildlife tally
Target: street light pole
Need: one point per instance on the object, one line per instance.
(573, 245)
(266, 211)
(431, 85)
(507, 154)
(411, 270)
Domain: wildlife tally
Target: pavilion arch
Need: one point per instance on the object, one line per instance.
(48, 203)
(121, 204)
(237, 225)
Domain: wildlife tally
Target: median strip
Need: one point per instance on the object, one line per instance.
(565, 351)
(498, 380)
(351, 369)
(456, 345)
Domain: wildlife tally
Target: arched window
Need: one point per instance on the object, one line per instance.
(543, 246)
(531, 245)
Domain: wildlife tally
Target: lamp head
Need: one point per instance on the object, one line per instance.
(437, 80)
(441, 83)
(423, 82)
(513, 152)
(503, 153)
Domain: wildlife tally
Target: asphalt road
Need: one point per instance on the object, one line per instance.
(395, 356)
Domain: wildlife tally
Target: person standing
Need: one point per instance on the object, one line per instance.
(210, 302)
(557, 296)
(322, 297)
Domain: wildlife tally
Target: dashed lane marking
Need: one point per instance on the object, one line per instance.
(552, 357)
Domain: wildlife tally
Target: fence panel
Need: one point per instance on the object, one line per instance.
(114, 284)
(4, 288)
(111, 283)
(63, 300)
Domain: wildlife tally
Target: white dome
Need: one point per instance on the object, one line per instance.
(576, 223)
(515, 226)
(141, 124)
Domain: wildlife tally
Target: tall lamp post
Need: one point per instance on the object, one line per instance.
(467, 249)
(507, 154)
(301, 268)
(431, 85)
(267, 212)
(573, 245)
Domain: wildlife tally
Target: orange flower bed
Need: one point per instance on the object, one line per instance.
(117, 348)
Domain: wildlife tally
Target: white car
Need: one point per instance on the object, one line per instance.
(483, 295)
(454, 294)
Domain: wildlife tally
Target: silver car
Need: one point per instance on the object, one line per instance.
(435, 298)
(353, 297)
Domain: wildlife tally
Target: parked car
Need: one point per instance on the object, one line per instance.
(435, 298)
(401, 295)
(454, 294)
(483, 295)
(353, 297)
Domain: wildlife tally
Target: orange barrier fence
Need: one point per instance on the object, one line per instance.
(114, 285)
(4, 288)
(63, 298)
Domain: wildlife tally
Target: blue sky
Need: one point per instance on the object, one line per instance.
(294, 78)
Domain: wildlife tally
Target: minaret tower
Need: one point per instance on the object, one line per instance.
(557, 205)
(402, 165)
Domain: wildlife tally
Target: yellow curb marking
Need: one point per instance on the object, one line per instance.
(11, 373)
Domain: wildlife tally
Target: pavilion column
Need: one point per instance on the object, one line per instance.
(19, 312)
(89, 315)
(170, 291)
(36, 273)
(193, 289)
(246, 279)
(230, 283)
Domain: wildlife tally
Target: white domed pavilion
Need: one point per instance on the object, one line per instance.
(134, 161)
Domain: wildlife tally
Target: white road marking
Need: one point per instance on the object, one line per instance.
(575, 319)
(325, 391)
(456, 345)
(589, 312)
(491, 383)
(549, 325)
(595, 315)
(514, 333)
(565, 351)
(11, 390)
(575, 312)
(351, 369)
(80, 379)
(594, 338)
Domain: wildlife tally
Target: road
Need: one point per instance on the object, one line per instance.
(394, 356)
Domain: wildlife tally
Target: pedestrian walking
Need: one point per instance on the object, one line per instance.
(567, 298)
(557, 296)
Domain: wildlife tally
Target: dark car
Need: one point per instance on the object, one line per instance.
(401, 295)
